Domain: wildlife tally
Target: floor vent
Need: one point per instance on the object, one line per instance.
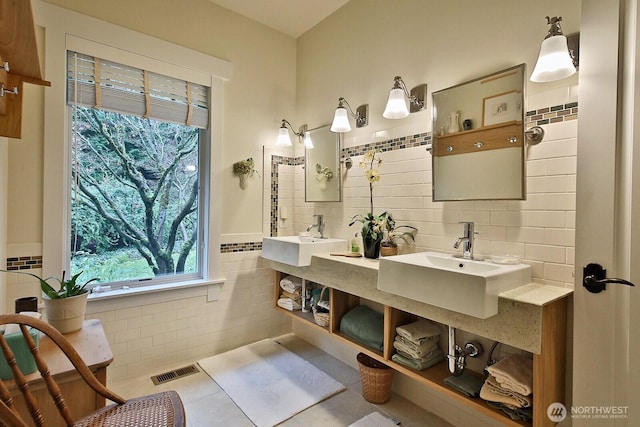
(174, 375)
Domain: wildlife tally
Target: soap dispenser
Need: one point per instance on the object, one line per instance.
(355, 244)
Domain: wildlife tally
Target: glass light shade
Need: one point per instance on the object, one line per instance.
(340, 121)
(283, 138)
(554, 62)
(307, 140)
(397, 107)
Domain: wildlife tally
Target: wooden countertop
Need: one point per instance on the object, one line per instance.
(90, 342)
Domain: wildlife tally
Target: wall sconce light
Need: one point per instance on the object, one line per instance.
(341, 116)
(397, 103)
(558, 56)
(283, 135)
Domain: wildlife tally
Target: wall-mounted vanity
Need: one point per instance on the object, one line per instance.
(531, 317)
(322, 180)
(478, 139)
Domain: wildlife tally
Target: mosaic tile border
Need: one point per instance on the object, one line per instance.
(24, 262)
(542, 116)
(226, 248)
(275, 162)
(554, 114)
(389, 145)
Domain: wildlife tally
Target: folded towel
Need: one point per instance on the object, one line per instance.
(418, 330)
(294, 296)
(419, 364)
(425, 346)
(516, 414)
(465, 383)
(515, 373)
(492, 391)
(364, 325)
(291, 284)
(413, 351)
(289, 304)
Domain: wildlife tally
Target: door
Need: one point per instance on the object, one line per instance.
(606, 324)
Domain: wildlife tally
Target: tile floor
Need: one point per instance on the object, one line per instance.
(206, 404)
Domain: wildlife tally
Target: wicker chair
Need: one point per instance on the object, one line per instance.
(160, 409)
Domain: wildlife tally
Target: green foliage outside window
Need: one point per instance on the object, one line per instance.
(135, 195)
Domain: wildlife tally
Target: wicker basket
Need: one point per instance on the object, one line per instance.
(321, 318)
(376, 379)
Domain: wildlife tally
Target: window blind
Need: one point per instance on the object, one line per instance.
(98, 83)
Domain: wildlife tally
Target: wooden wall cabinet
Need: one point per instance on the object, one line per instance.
(19, 62)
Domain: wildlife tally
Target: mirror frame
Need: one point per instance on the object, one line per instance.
(490, 138)
(309, 170)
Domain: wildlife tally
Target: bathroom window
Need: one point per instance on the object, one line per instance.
(139, 158)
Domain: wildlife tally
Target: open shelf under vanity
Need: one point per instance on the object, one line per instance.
(548, 363)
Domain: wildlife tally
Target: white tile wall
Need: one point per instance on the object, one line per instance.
(539, 229)
(153, 332)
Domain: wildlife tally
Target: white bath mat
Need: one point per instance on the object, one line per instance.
(269, 383)
(374, 419)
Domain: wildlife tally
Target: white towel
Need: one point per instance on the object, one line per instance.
(419, 330)
(289, 304)
(515, 373)
(291, 284)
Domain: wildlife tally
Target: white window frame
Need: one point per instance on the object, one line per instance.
(64, 29)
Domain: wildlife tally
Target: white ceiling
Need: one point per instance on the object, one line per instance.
(291, 17)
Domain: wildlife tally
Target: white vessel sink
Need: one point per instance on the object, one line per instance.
(297, 250)
(465, 286)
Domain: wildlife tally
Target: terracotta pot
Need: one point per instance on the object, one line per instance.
(388, 250)
(66, 314)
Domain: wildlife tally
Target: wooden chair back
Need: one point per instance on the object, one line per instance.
(8, 411)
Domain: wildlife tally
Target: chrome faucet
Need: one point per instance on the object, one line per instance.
(467, 239)
(319, 225)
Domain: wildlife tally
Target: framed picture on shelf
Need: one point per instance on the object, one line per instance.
(501, 108)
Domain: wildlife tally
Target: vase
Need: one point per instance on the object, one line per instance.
(66, 314)
(322, 182)
(371, 246)
(454, 122)
(244, 179)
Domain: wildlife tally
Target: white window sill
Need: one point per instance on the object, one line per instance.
(141, 295)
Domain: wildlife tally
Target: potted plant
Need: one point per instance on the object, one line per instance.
(372, 225)
(65, 307)
(323, 174)
(393, 233)
(244, 169)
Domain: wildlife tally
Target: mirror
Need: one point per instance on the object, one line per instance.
(322, 181)
(478, 139)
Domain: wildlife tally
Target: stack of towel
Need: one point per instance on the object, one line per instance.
(510, 385)
(291, 293)
(417, 346)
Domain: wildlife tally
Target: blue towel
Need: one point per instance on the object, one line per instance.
(364, 325)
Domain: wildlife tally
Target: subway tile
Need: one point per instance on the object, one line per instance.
(544, 219)
(560, 237)
(559, 272)
(526, 234)
(546, 253)
(507, 218)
